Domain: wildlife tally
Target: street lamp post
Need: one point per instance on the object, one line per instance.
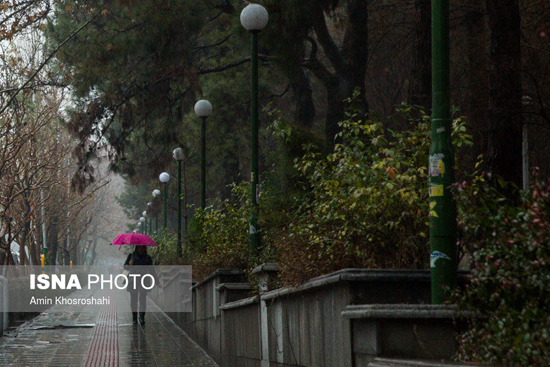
(144, 213)
(164, 178)
(156, 193)
(203, 109)
(142, 224)
(138, 229)
(179, 155)
(149, 205)
(443, 250)
(254, 18)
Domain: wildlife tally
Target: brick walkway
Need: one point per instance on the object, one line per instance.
(79, 336)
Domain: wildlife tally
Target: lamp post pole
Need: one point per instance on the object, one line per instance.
(254, 18)
(156, 193)
(141, 225)
(164, 178)
(165, 199)
(179, 155)
(145, 221)
(179, 209)
(203, 162)
(203, 109)
(443, 250)
(255, 239)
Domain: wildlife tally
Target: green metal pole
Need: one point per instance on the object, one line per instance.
(179, 209)
(255, 239)
(443, 257)
(185, 198)
(203, 162)
(165, 200)
(157, 225)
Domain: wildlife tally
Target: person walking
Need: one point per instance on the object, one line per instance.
(139, 286)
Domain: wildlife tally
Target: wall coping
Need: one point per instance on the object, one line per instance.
(218, 272)
(396, 362)
(240, 303)
(234, 286)
(352, 275)
(267, 267)
(171, 275)
(416, 311)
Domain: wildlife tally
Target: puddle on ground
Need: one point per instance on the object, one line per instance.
(57, 327)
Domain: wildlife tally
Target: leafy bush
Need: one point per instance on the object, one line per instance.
(221, 239)
(367, 205)
(510, 246)
(167, 251)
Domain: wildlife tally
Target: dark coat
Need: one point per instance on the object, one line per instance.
(143, 264)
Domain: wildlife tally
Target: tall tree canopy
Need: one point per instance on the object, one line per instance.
(138, 68)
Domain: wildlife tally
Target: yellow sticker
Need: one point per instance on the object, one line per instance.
(436, 190)
(432, 212)
(441, 167)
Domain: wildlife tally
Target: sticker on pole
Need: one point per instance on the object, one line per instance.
(252, 229)
(432, 211)
(437, 167)
(436, 255)
(436, 190)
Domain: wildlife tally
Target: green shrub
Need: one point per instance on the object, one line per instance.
(221, 238)
(167, 251)
(510, 248)
(368, 200)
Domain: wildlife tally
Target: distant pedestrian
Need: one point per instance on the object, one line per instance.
(139, 292)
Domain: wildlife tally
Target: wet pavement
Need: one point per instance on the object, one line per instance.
(100, 336)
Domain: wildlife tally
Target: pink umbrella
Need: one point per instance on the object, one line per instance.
(133, 239)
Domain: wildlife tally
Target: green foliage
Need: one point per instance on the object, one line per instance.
(508, 286)
(221, 235)
(368, 200)
(364, 205)
(292, 141)
(167, 251)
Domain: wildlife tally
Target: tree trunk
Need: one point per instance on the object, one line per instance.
(23, 260)
(505, 92)
(349, 64)
(337, 90)
(53, 238)
(94, 253)
(303, 95)
(477, 85)
(231, 171)
(420, 82)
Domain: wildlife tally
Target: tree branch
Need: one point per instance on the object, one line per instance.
(331, 49)
(215, 44)
(41, 66)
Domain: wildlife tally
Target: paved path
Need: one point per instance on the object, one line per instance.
(82, 336)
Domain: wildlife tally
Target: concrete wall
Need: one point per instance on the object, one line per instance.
(241, 344)
(204, 323)
(291, 326)
(426, 332)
